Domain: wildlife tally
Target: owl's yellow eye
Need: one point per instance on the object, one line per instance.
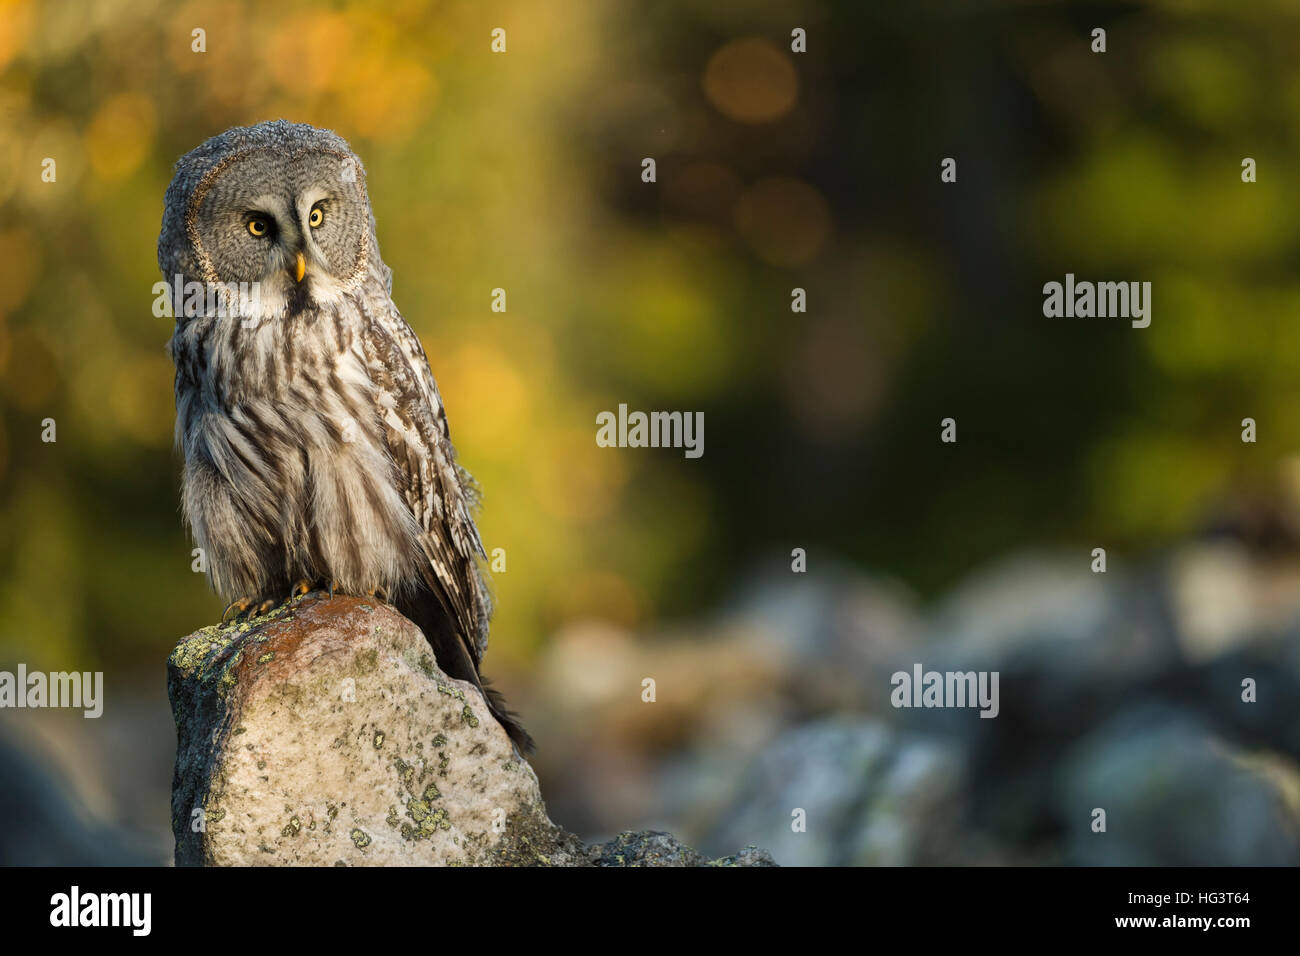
(316, 218)
(257, 227)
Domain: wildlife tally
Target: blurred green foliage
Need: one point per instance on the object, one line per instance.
(775, 170)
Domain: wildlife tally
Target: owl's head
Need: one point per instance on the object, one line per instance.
(279, 204)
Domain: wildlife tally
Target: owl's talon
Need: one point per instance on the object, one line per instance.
(300, 590)
(379, 594)
(266, 607)
(239, 606)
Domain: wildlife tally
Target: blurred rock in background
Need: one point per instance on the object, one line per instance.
(1120, 691)
(42, 822)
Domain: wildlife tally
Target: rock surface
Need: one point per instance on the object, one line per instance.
(324, 734)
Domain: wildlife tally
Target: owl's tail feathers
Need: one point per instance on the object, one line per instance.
(507, 718)
(453, 655)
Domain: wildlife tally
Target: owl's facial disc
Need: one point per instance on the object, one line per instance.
(296, 225)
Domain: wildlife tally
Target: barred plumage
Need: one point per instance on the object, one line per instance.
(316, 444)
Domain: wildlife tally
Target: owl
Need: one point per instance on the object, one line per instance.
(316, 446)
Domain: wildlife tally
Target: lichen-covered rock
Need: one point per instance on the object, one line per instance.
(324, 734)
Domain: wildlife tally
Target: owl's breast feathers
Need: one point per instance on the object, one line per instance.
(288, 474)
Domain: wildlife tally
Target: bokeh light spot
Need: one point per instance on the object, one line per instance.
(785, 221)
(751, 81)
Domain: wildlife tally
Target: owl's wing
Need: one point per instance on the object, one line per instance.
(440, 496)
(420, 444)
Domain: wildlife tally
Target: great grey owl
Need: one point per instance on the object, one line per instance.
(316, 446)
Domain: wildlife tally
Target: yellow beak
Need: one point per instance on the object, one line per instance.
(300, 269)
